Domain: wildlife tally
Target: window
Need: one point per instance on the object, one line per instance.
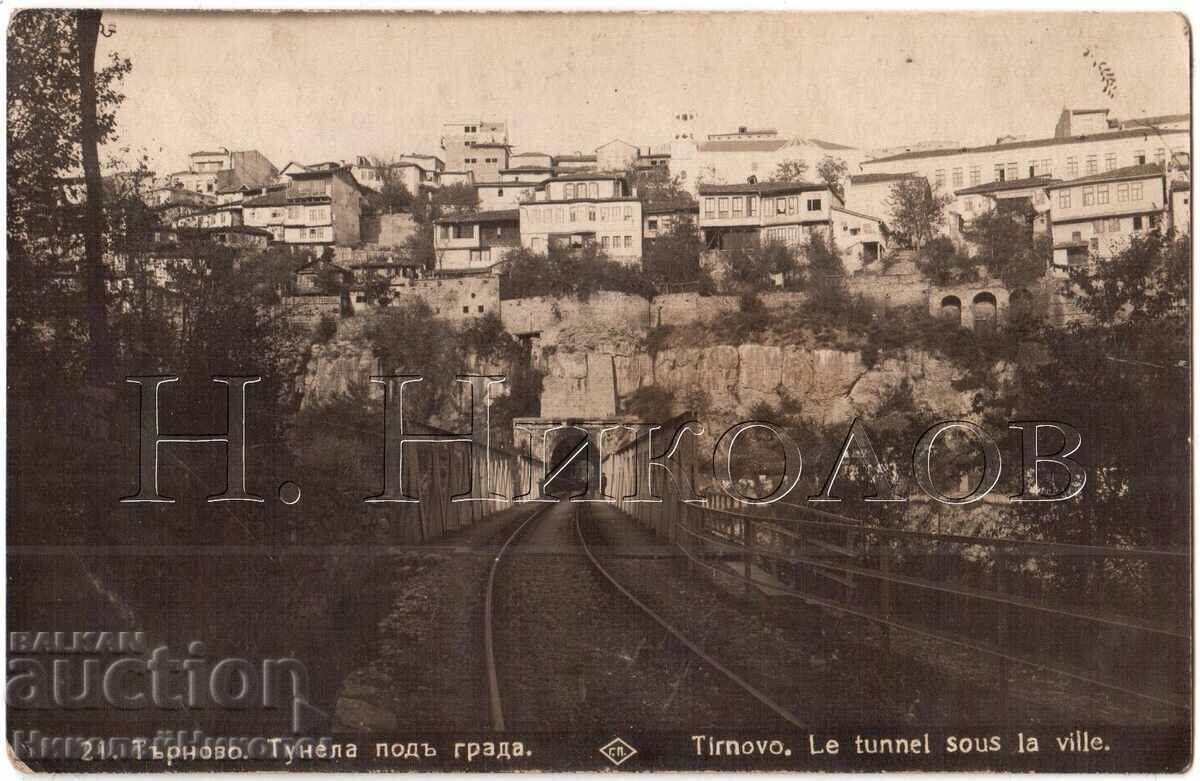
(999, 172)
(499, 231)
(970, 204)
(1139, 157)
(1160, 157)
(479, 309)
(1094, 244)
(710, 205)
(793, 204)
(956, 177)
(974, 175)
(1102, 193)
(1072, 166)
(592, 214)
(594, 190)
(1098, 226)
(604, 242)
(737, 205)
(1110, 161)
(939, 177)
(1114, 225)
(652, 224)
(569, 191)
(1044, 167)
(574, 214)
(1091, 165)
(751, 205)
(1135, 191)
(1064, 199)
(814, 204)
(499, 192)
(628, 242)
(723, 207)
(466, 309)
(1137, 223)
(1076, 236)
(628, 214)
(1089, 196)
(1011, 170)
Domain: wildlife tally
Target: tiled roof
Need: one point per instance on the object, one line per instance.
(761, 188)
(229, 180)
(1012, 184)
(1162, 119)
(585, 176)
(499, 215)
(276, 197)
(877, 178)
(574, 159)
(844, 210)
(1112, 135)
(742, 146)
(1117, 174)
(514, 185)
(827, 144)
(671, 206)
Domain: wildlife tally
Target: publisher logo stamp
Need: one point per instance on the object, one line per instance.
(617, 751)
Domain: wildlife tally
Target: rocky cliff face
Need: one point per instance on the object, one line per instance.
(593, 370)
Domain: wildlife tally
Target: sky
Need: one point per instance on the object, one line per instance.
(321, 86)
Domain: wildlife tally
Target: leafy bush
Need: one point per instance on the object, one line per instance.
(651, 404)
(326, 329)
(578, 272)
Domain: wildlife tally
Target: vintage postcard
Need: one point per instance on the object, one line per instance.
(598, 392)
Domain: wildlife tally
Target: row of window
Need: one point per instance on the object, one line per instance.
(1097, 195)
(486, 160)
(559, 214)
(723, 207)
(1011, 170)
(581, 190)
(615, 242)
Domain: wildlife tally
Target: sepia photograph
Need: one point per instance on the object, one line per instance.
(487, 391)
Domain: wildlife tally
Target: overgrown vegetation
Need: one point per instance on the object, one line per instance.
(567, 271)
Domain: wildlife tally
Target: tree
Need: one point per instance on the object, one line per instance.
(916, 211)
(674, 257)
(1146, 281)
(100, 354)
(832, 172)
(51, 238)
(790, 171)
(655, 186)
(825, 271)
(942, 263)
(1005, 244)
(749, 269)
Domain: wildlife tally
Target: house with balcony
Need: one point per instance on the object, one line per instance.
(324, 206)
(1094, 216)
(584, 209)
(733, 216)
(475, 242)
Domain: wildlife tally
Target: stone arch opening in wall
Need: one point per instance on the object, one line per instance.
(574, 478)
(984, 308)
(951, 309)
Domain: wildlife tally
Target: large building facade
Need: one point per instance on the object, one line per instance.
(583, 209)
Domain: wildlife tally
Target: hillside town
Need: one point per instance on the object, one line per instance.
(635, 386)
(365, 235)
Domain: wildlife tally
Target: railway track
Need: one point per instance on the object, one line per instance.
(496, 705)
